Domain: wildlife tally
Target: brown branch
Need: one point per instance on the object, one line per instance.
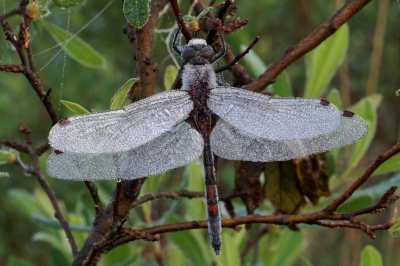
(16, 146)
(175, 195)
(36, 171)
(307, 44)
(211, 35)
(322, 218)
(204, 19)
(42, 149)
(361, 180)
(179, 19)
(234, 25)
(15, 11)
(12, 68)
(95, 196)
(253, 242)
(238, 57)
(117, 198)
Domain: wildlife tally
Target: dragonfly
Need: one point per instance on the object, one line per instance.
(205, 118)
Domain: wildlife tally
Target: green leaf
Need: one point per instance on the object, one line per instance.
(53, 223)
(335, 98)
(323, 62)
(136, 12)
(230, 250)
(75, 47)
(75, 108)
(367, 109)
(395, 229)
(391, 165)
(290, 246)
(54, 241)
(202, 13)
(356, 203)
(370, 256)
(4, 174)
(196, 208)
(8, 156)
(14, 261)
(67, 3)
(120, 96)
(398, 92)
(256, 65)
(169, 76)
(192, 244)
(188, 19)
(305, 261)
(24, 202)
(281, 186)
(282, 86)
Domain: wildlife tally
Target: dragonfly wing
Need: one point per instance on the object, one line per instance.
(173, 149)
(121, 130)
(274, 119)
(230, 143)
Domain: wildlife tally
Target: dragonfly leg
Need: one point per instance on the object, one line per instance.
(221, 80)
(177, 49)
(213, 213)
(223, 51)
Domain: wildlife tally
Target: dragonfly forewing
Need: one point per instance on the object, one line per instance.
(277, 119)
(121, 130)
(232, 144)
(175, 148)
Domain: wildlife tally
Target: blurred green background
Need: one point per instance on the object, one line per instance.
(370, 66)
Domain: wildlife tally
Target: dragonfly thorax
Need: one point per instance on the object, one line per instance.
(198, 76)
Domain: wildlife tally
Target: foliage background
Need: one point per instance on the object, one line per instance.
(279, 24)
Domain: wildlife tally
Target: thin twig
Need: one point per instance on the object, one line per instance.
(362, 179)
(238, 57)
(253, 242)
(204, 19)
(95, 196)
(179, 19)
(116, 200)
(293, 53)
(12, 68)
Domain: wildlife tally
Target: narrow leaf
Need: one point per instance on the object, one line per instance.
(395, 229)
(202, 13)
(75, 108)
(192, 244)
(257, 66)
(367, 109)
(53, 240)
(136, 12)
(335, 98)
(120, 96)
(230, 253)
(324, 62)
(290, 246)
(76, 48)
(391, 165)
(282, 86)
(370, 256)
(14, 261)
(169, 76)
(67, 3)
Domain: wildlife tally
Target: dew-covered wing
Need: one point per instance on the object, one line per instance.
(230, 143)
(274, 119)
(181, 145)
(121, 130)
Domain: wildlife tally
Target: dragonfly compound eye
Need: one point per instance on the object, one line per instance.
(188, 53)
(207, 52)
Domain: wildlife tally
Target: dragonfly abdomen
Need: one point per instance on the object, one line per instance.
(214, 217)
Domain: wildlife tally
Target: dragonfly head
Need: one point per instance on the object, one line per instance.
(197, 52)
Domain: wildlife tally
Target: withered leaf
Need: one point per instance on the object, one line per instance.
(247, 179)
(282, 186)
